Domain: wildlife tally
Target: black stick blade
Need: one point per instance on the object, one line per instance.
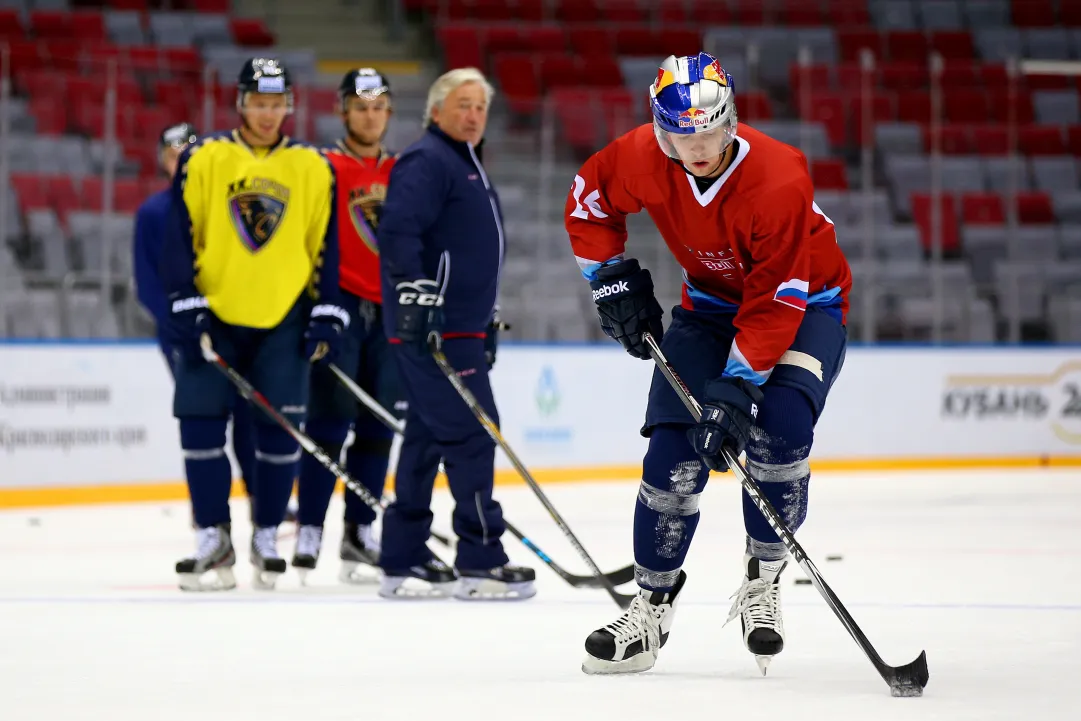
(910, 679)
(617, 577)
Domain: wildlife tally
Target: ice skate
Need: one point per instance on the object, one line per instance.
(632, 642)
(758, 604)
(211, 568)
(264, 557)
(504, 583)
(359, 554)
(433, 580)
(306, 555)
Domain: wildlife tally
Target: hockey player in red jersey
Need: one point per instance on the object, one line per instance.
(759, 336)
(362, 166)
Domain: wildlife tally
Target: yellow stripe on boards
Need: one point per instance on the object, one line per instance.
(178, 491)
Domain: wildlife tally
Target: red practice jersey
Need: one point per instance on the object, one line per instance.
(362, 188)
(754, 243)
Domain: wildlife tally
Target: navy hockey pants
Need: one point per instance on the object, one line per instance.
(440, 426)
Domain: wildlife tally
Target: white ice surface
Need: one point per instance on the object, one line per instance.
(981, 569)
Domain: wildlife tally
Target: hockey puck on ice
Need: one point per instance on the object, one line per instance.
(803, 582)
(834, 557)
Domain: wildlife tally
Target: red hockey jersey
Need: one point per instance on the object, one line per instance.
(362, 188)
(754, 243)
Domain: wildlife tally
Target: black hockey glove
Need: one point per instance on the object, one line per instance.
(326, 326)
(189, 318)
(627, 307)
(491, 337)
(729, 410)
(419, 314)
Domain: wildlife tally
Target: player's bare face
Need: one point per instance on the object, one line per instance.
(464, 114)
(263, 117)
(702, 153)
(366, 119)
(170, 156)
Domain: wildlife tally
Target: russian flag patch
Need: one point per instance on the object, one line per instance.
(792, 292)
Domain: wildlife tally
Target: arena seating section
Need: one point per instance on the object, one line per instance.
(586, 63)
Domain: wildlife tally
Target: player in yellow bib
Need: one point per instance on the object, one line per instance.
(253, 262)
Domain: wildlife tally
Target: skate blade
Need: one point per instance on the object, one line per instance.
(215, 579)
(359, 574)
(413, 589)
(484, 589)
(264, 580)
(635, 664)
(763, 663)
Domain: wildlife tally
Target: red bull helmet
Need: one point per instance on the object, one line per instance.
(693, 95)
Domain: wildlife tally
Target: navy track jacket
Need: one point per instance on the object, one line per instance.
(152, 221)
(442, 221)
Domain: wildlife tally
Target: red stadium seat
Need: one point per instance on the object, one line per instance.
(829, 174)
(851, 42)
(1041, 140)
(828, 109)
(921, 214)
(250, 33)
(953, 44)
(749, 12)
(30, 190)
(1073, 139)
(754, 106)
(904, 76)
(461, 46)
(965, 105)
(991, 139)
(624, 11)
(578, 11)
(847, 13)
(491, 10)
(592, 40)
(11, 25)
(518, 80)
(681, 41)
(1034, 13)
(640, 41)
(674, 11)
(914, 106)
(533, 11)
(711, 12)
(52, 25)
(910, 45)
(952, 139)
(1034, 208)
(559, 71)
(543, 38)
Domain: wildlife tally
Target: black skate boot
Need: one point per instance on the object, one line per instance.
(633, 641)
(433, 579)
(758, 605)
(504, 583)
(359, 554)
(264, 556)
(306, 555)
(214, 553)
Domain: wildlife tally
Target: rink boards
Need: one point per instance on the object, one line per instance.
(91, 422)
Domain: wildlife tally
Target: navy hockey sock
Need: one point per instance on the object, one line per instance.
(210, 477)
(276, 457)
(244, 443)
(666, 513)
(316, 484)
(777, 458)
(367, 461)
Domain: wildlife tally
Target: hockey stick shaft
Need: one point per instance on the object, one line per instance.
(617, 578)
(248, 391)
(907, 680)
(435, 346)
(385, 417)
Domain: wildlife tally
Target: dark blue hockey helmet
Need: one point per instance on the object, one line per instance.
(367, 83)
(266, 76)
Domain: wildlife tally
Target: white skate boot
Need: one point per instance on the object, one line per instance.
(758, 604)
(211, 568)
(264, 556)
(633, 641)
(359, 554)
(309, 543)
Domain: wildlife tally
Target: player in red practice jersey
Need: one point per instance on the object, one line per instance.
(362, 166)
(759, 336)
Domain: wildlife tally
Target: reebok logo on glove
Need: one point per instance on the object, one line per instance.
(616, 288)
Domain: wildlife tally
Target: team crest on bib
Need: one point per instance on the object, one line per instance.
(257, 206)
(364, 205)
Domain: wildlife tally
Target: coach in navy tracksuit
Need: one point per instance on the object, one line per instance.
(441, 251)
(151, 221)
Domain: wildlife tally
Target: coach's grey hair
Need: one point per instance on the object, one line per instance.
(448, 82)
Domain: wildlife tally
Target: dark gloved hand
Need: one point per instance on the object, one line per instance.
(491, 337)
(189, 318)
(323, 338)
(729, 410)
(627, 307)
(419, 315)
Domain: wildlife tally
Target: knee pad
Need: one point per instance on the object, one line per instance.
(673, 475)
(203, 438)
(327, 432)
(274, 445)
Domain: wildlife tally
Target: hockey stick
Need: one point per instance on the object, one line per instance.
(435, 345)
(248, 391)
(907, 680)
(617, 578)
